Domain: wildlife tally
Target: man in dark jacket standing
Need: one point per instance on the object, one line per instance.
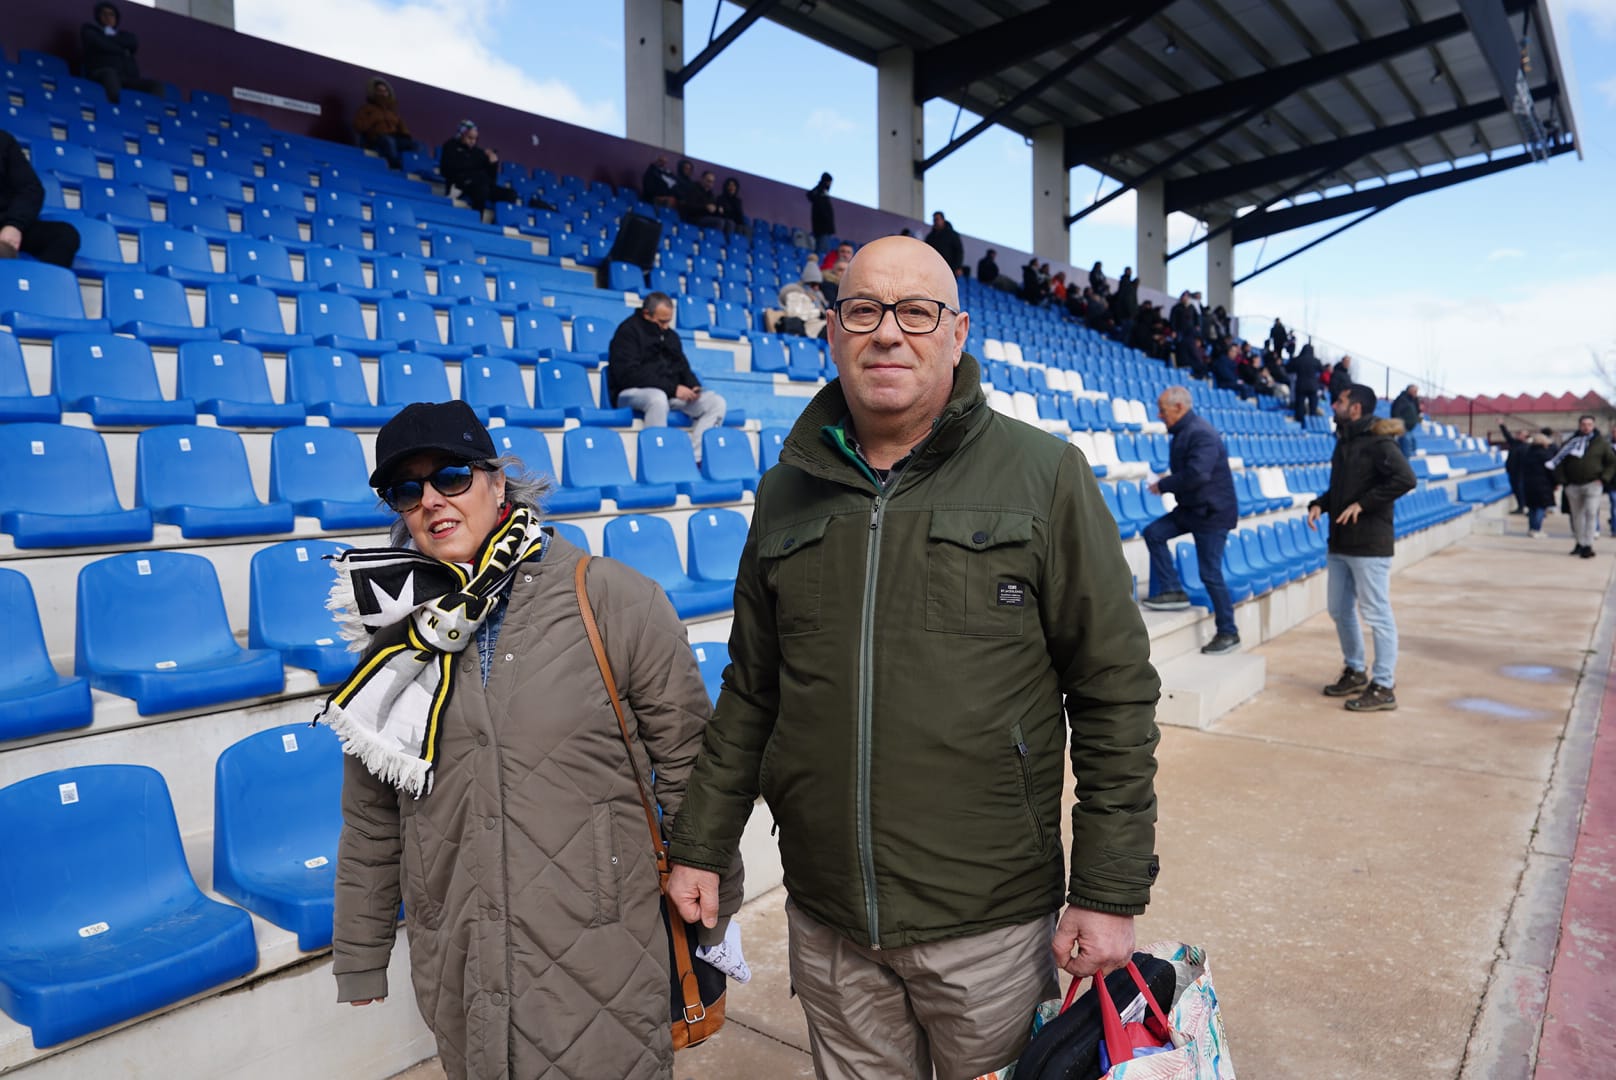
(923, 583)
(648, 371)
(109, 54)
(1307, 370)
(21, 198)
(1368, 474)
(946, 242)
(1406, 407)
(821, 212)
(1199, 479)
(1584, 464)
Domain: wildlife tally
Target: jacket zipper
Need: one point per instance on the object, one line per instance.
(866, 709)
(1026, 783)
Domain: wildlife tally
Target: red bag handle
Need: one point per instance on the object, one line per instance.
(1117, 1044)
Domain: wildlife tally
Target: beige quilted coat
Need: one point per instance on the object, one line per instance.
(536, 944)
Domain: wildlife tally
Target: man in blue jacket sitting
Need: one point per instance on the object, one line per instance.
(1199, 478)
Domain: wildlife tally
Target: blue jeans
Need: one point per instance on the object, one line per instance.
(1364, 581)
(1405, 443)
(1209, 544)
(1534, 519)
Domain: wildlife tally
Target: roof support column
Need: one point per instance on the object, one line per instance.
(1220, 266)
(1051, 194)
(653, 45)
(1150, 260)
(900, 131)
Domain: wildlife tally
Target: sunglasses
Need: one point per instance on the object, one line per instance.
(405, 495)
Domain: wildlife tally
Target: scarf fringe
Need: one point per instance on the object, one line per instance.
(381, 759)
(344, 608)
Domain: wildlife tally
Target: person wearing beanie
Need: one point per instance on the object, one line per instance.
(472, 170)
(109, 54)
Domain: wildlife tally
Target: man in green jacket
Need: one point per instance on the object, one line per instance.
(925, 581)
(1585, 464)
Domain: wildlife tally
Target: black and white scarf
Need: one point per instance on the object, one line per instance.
(419, 612)
(1576, 446)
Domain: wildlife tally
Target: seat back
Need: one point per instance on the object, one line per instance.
(515, 287)
(13, 370)
(712, 657)
(770, 440)
(464, 281)
(768, 352)
(488, 380)
(727, 455)
(243, 307)
(271, 222)
(315, 374)
(127, 296)
(187, 211)
(287, 586)
(406, 320)
(714, 542)
(592, 335)
(539, 330)
(398, 274)
(331, 231)
(403, 378)
(333, 266)
(40, 289)
(560, 385)
(187, 465)
(164, 245)
(277, 797)
(248, 255)
(84, 365)
(24, 661)
(150, 611)
(592, 458)
(571, 533)
(666, 457)
(308, 463)
(804, 357)
(476, 325)
(646, 543)
(104, 198)
(221, 371)
(322, 313)
(529, 445)
(55, 469)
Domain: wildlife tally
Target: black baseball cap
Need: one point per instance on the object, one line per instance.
(448, 427)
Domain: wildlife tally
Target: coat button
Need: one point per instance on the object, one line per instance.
(979, 538)
(527, 577)
(791, 542)
(497, 999)
(482, 740)
(489, 823)
(509, 657)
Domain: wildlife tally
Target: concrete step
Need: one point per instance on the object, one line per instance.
(1198, 689)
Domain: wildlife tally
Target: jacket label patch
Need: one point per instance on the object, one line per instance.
(1012, 594)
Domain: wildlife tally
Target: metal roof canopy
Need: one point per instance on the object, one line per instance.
(1276, 113)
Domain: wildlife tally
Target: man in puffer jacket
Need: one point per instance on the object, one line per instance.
(1368, 474)
(1584, 464)
(109, 54)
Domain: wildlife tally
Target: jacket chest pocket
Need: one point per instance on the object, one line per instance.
(794, 559)
(979, 572)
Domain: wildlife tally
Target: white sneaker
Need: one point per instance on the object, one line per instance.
(726, 955)
(1535, 534)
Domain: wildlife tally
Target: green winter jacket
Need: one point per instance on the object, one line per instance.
(899, 658)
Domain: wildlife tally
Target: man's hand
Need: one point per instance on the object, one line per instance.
(368, 1001)
(11, 235)
(1349, 515)
(493, 156)
(694, 894)
(1313, 513)
(686, 393)
(1087, 941)
(1155, 487)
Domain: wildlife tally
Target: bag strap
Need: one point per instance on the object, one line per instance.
(1117, 1044)
(690, 990)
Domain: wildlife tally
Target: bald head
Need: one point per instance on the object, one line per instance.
(881, 265)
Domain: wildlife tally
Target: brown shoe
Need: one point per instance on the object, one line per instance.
(1377, 698)
(1350, 682)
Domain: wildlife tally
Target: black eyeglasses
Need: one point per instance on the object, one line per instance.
(861, 315)
(450, 480)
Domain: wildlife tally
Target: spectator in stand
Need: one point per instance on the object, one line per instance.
(1125, 303)
(659, 186)
(1198, 477)
(1096, 313)
(1032, 289)
(649, 372)
(472, 170)
(1584, 464)
(1406, 407)
(1057, 288)
(1536, 482)
(1368, 474)
(1279, 339)
(831, 269)
(1225, 370)
(109, 54)
(21, 198)
(379, 125)
(699, 206)
(1282, 380)
(1515, 444)
(821, 213)
(947, 243)
(802, 310)
(1340, 377)
(987, 268)
(730, 208)
(1185, 318)
(1098, 282)
(1307, 371)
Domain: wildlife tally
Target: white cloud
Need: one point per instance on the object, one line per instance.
(829, 124)
(438, 42)
(1602, 13)
(1505, 253)
(1607, 90)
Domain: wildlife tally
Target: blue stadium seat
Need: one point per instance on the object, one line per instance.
(516, 291)
(566, 387)
(277, 815)
(1238, 572)
(338, 232)
(287, 588)
(770, 440)
(331, 383)
(336, 322)
(66, 159)
(321, 471)
(460, 281)
(103, 919)
(494, 386)
(404, 378)
(113, 202)
(592, 336)
(1189, 575)
(712, 657)
(198, 478)
(714, 539)
(647, 543)
(153, 309)
(337, 270)
(18, 402)
(209, 218)
(155, 175)
(220, 185)
(534, 450)
(1126, 526)
(152, 627)
(57, 490)
(411, 325)
(265, 263)
(768, 352)
(251, 315)
(401, 276)
(592, 458)
(625, 276)
(727, 455)
(666, 457)
(540, 332)
(114, 379)
(228, 380)
(40, 300)
(805, 360)
(34, 699)
(99, 249)
(478, 327)
(179, 254)
(570, 533)
(277, 223)
(1255, 557)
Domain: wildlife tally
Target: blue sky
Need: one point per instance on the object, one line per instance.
(1503, 285)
